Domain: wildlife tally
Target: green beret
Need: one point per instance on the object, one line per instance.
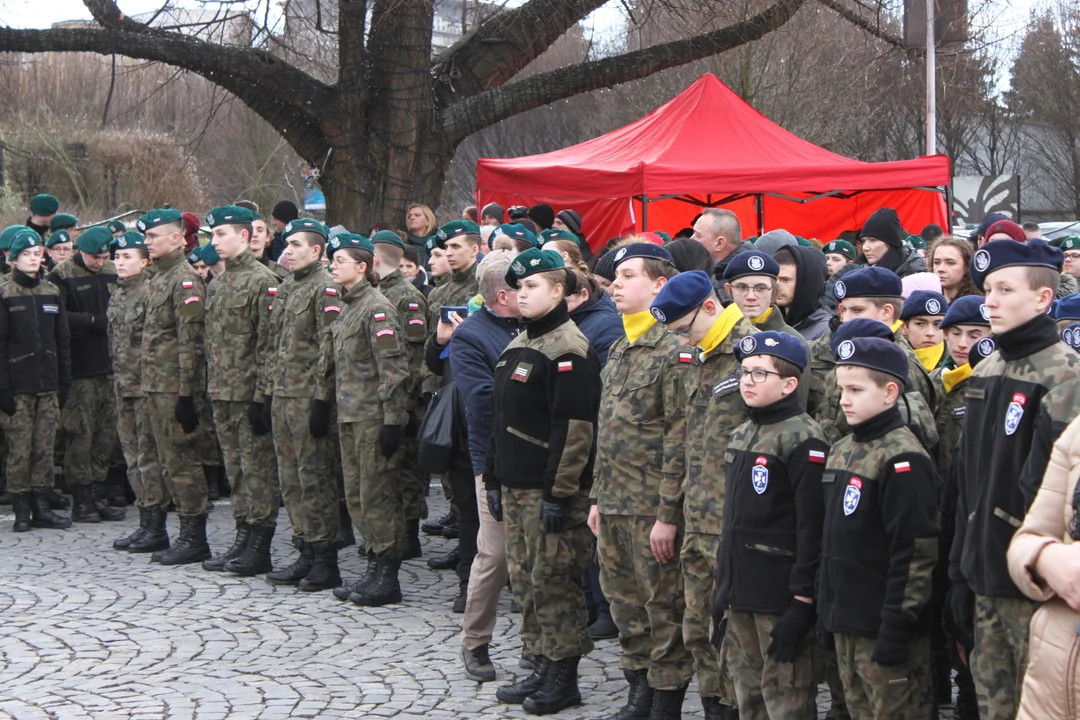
(514, 230)
(1070, 243)
(229, 215)
(840, 247)
(204, 253)
(303, 225)
(44, 205)
(8, 233)
(58, 238)
(116, 226)
(22, 240)
(432, 243)
(129, 240)
(803, 241)
(348, 240)
(193, 256)
(531, 262)
(63, 221)
(159, 217)
(387, 237)
(664, 236)
(550, 234)
(916, 242)
(453, 229)
(94, 240)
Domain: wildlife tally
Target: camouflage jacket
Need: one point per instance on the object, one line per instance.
(880, 542)
(455, 291)
(412, 308)
(776, 322)
(173, 340)
(86, 299)
(715, 409)
(238, 337)
(363, 362)
(640, 459)
(949, 418)
(127, 314)
(305, 305)
(280, 271)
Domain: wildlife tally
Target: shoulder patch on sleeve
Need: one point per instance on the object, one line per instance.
(902, 467)
(566, 366)
(331, 291)
(379, 316)
(187, 284)
(686, 357)
(817, 456)
(414, 306)
(271, 291)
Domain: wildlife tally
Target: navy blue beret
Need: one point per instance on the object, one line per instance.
(861, 328)
(869, 282)
(981, 350)
(999, 254)
(752, 262)
(642, 250)
(924, 302)
(1067, 308)
(681, 295)
(874, 354)
(775, 343)
(967, 310)
(1071, 336)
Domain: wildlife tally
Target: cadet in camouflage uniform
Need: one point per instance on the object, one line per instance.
(773, 513)
(1002, 434)
(239, 358)
(35, 375)
(171, 360)
(715, 409)
(537, 475)
(127, 314)
(637, 488)
(365, 367)
(86, 282)
(307, 302)
(412, 308)
(880, 541)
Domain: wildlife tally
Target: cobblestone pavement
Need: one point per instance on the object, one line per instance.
(89, 632)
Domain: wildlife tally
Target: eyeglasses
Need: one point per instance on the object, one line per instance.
(685, 332)
(1072, 256)
(338, 262)
(757, 375)
(743, 289)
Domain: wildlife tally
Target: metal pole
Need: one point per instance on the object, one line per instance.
(931, 85)
(644, 213)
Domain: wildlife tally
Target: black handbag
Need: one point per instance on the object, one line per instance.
(436, 437)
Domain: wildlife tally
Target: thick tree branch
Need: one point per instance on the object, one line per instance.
(468, 116)
(874, 27)
(109, 16)
(500, 47)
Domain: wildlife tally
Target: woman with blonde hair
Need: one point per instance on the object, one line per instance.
(420, 224)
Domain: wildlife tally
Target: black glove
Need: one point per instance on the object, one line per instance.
(255, 417)
(790, 631)
(7, 403)
(268, 412)
(389, 440)
(62, 395)
(960, 614)
(99, 324)
(412, 429)
(891, 648)
(553, 515)
(494, 501)
(186, 414)
(319, 418)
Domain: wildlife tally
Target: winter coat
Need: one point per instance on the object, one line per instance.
(1051, 686)
(805, 313)
(600, 322)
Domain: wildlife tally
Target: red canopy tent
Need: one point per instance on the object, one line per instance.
(709, 148)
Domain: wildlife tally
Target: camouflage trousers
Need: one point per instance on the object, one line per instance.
(31, 436)
(1000, 656)
(545, 572)
(877, 692)
(177, 456)
(89, 426)
(766, 689)
(412, 481)
(137, 442)
(371, 489)
(698, 562)
(206, 440)
(309, 470)
(646, 601)
(250, 464)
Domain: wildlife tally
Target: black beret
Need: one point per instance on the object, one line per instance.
(777, 344)
(874, 354)
(924, 302)
(861, 328)
(752, 262)
(642, 250)
(998, 254)
(967, 310)
(869, 282)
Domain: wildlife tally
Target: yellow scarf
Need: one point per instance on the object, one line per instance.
(762, 317)
(952, 378)
(721, 328)
(896, 326)
(637, 324)
(930, 357)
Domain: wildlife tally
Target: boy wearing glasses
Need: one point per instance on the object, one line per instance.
(773, 514)
(1071, 247)
(750, 280)
(689, 306)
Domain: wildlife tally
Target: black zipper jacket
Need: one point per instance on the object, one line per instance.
(86, 299)
(35, 350)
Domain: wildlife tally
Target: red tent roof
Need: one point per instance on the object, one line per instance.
(706, 140)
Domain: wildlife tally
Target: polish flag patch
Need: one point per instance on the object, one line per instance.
(566, 366)
(902, 467)
(520, 374)
(331, 291)
(385, 331)
(817, 456)
(271, 291)
(190, 300)
(379, 317)
(331, 308)
(686, 357)
(187, 284)
(414, 306)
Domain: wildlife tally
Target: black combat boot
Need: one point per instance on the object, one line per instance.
(343, 591)
(6, 498)
(383, 588)
(100, 495)
(42, 514)
(716, 710)
(211, 473)
(667, 704)
(449, 561)
(84, 510)
(255, 559)
(412, 540)
(57, 501)
(346, 537)
(21, 503)
(324, 573)
(435, 527)
(156, 537)
(559, 691)
(450, 530)
(144, 523)
(639, 701)
(967, 705)
(117, 484)
(243, 535)
(515, 694)
(190, 546)
(293, 574)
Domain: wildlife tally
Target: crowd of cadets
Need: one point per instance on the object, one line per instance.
(797, 462)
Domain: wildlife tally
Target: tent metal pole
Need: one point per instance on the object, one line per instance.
(759, 203)
(644, 213)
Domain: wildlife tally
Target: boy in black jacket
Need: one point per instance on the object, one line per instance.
(772, 534)
(880, 540)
